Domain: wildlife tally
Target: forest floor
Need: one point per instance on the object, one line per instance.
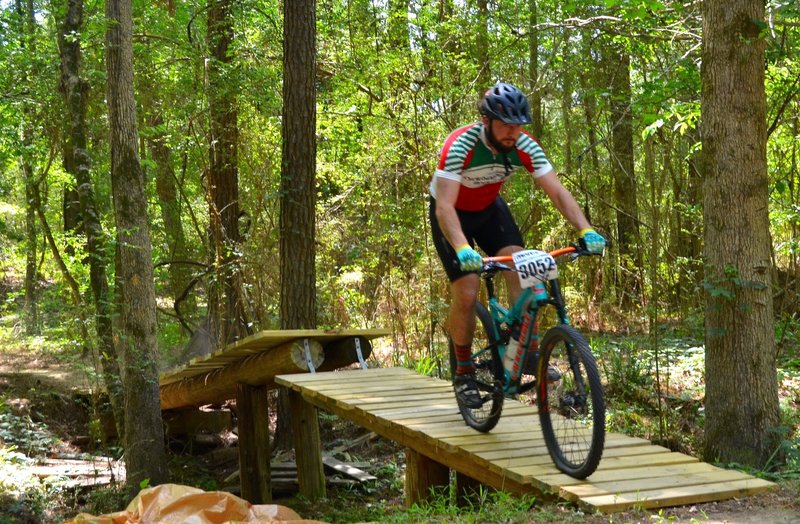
(42, 418)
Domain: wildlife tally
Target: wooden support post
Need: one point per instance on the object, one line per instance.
(307, 447)
(422, 475)
(254, 454)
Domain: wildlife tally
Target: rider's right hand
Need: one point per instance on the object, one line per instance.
(468, 258)
(593, 241)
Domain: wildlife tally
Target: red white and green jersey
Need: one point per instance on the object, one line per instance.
(467, 158)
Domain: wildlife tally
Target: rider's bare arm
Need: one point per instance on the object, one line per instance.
(446, 195)
(563, 200)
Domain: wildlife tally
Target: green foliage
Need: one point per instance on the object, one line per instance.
(389, 89)
(486, 506)
(627, 368)
(22, 433)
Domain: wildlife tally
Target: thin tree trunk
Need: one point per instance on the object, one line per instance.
(26, 28)
(74, 89)
(622, 161)
(169, 201)
(566, 106)
(482, 45)
(32, 326)
(74, 288)
(534, 89)
(145, 456)
(228, 320)
(742, 412)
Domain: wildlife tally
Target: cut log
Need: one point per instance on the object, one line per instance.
(219, 385)
(343, 352)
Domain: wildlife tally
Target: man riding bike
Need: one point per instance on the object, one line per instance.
(466, 209)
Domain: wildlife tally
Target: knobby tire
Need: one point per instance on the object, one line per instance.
(572, 409)
(488, 370)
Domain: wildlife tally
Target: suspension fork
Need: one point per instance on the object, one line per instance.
(557, 299)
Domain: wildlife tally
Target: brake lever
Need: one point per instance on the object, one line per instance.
(496, 266)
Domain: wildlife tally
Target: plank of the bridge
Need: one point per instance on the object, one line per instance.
(677, 495)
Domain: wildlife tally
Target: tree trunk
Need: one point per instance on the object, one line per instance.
(145, 456)
(741, 378)
(26, 34)
(298, 182)
(566, 105)
(228, 319)
(169, 201)
(74, 89)
(482, 51)
(534, 88)
(618, 63)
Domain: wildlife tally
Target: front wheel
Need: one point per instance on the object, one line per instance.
(571, 410)
(488, 369)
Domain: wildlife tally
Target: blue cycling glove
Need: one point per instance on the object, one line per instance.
(468, 258)
(595, 243)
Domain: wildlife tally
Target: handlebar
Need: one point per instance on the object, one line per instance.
(576, 250)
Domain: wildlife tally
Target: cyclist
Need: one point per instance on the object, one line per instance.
(466, 209)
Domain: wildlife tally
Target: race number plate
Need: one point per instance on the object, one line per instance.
(534, 266)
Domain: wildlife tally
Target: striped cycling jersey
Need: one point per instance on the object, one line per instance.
(467, 158)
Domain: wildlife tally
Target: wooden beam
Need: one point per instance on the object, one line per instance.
(424, 476)
(254, 453)
(219, 385)
(307, 447)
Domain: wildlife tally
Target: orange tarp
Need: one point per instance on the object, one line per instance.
(176, 504)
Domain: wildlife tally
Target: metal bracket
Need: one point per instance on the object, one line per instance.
(359, 354)
(309, 360)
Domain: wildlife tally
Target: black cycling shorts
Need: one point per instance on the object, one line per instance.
(491, 229)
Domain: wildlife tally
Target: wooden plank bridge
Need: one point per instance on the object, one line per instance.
(420, 413)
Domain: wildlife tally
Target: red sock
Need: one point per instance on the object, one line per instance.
(463, 359)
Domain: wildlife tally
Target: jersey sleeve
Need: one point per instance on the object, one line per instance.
(532, 156)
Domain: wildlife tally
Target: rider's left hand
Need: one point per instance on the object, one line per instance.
(595, 243)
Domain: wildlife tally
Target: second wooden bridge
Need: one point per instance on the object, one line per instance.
(420, 413)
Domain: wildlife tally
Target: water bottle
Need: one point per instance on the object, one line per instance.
(513, 354)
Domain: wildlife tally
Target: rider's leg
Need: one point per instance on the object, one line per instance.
(461, 319)
(514, 290)
(512, 279)
(464, 292)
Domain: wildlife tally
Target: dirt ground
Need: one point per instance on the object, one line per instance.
(42, 387)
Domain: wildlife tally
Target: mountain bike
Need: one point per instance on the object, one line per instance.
(564, 378)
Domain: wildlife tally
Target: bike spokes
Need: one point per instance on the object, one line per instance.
(572, 410)
(487, 363)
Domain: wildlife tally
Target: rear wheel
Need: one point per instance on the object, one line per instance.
(571, 410)
(488, 369)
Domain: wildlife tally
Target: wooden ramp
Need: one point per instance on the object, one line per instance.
(259, 343)
(256, 360)
(420, 413)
